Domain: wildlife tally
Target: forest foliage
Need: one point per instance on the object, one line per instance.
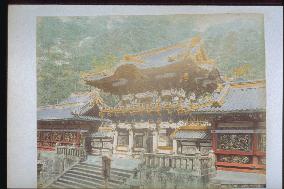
(67, 47)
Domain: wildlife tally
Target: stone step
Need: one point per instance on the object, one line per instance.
(83, 171)
(56, 186)
(59, 184)
(113, 174)
(71, 182)
(100, 167)
(114, 171)
(92, 177)
(82, 181)
(84, 175)
(87, 178)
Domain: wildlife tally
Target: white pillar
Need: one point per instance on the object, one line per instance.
(114, 141)
(174, 146)
(155, 141)
(130, 148)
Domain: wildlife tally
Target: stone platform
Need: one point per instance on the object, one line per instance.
(231, 179)
(116, 162)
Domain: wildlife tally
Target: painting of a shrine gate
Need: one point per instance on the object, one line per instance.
(177, 122)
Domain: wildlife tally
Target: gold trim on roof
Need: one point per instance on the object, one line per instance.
(165, 148)
(133, 58)
(191, 127)
(252, 84)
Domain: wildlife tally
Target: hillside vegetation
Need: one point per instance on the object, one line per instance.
(69, 46)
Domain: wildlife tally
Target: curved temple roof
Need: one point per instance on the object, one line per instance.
(70, 108)
(240, 96)
(175, 66)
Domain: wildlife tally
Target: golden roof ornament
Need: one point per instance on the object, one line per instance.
(195, 41)
(132, 58)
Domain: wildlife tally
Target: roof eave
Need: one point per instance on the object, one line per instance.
(229, 112)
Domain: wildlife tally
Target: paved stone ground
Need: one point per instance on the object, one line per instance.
(230, 177)
(47, 154)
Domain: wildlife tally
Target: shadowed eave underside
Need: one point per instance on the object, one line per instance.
(128, 78)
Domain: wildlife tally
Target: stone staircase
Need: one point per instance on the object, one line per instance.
(85, 175)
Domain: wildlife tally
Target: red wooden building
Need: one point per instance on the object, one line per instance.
(239, 127)
(67, 123)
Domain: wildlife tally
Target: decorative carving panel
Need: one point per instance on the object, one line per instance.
(241, 142)
(189, 149)
(205, 150)
(46, 136)
(47, 144)
(97, 144)
(57, 136)
(234, 159)
(107, 145)
(70, 137)
(38, 135)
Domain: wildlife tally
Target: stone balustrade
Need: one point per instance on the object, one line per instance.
(71, 151)
(196, 164)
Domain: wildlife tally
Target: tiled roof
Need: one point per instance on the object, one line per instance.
(57, 112)
(65, 109)
(160, 59)
(77, 99)
(240, 98)
(192, 135)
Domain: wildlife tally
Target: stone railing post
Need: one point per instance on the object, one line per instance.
(155, 140)
(115, 135)
(197, 163)
(142, 156)
(173, 162)
(130, 148)
(69, 150)
(212, 162)
(56, 147)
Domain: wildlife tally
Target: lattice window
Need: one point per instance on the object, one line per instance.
(241, 142)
